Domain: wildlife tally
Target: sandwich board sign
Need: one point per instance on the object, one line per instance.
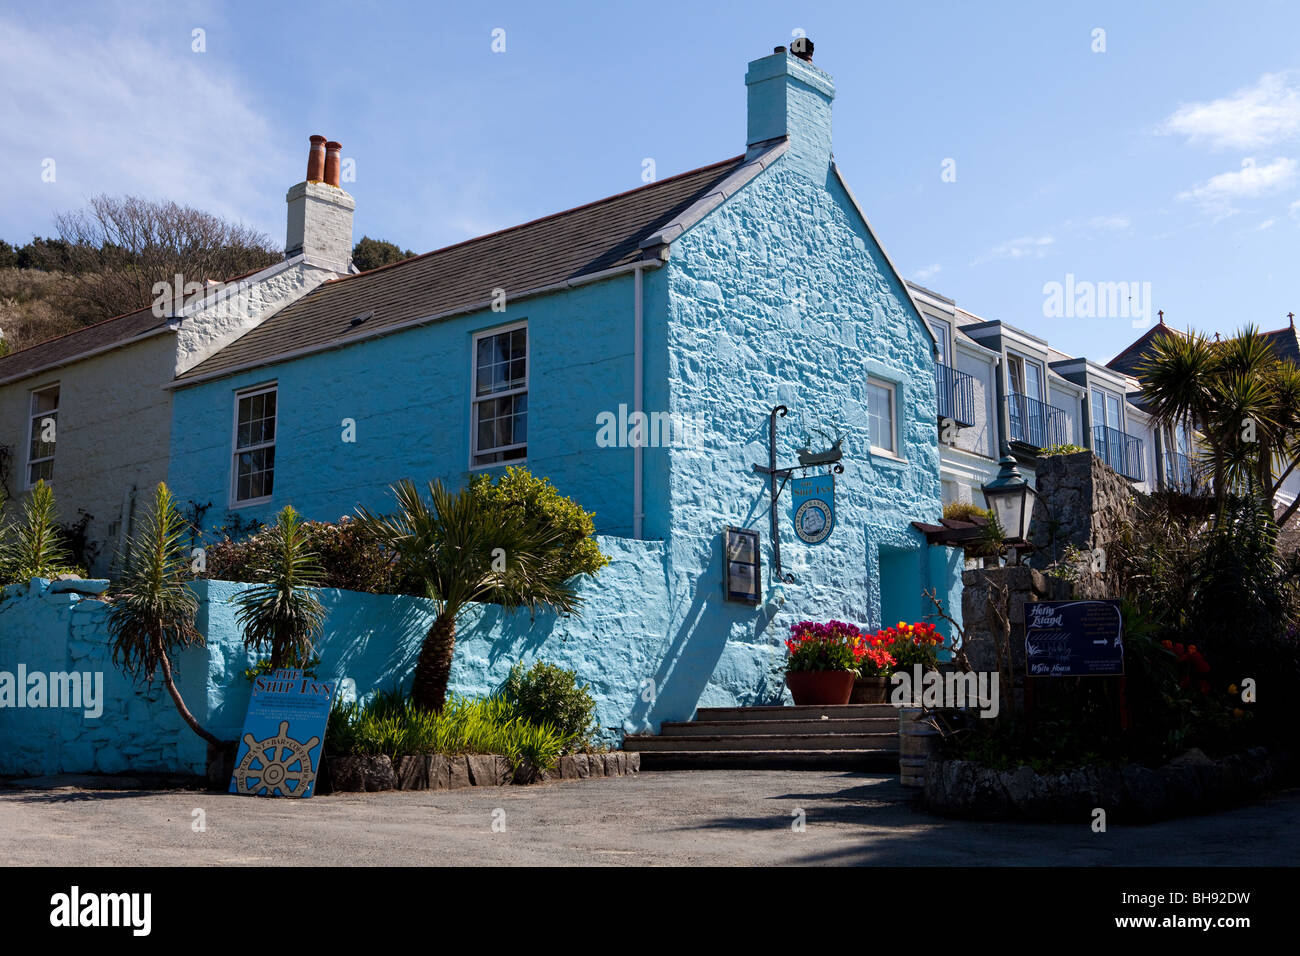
(280, 751)
(1074, 639)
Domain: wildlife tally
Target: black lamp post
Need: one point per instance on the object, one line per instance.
(1007, 496)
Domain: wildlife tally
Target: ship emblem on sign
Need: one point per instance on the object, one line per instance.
(814, 507)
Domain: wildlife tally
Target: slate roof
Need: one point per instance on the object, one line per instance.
(1283, 342)
(1127, 361)
(566, 245)
(71, 345)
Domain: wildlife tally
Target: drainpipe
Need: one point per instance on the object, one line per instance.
(1158, 446)
(1000, 408)
(638, 399)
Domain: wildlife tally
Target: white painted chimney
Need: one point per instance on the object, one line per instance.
(320, 212)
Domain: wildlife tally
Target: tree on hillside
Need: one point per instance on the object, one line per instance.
(373, 253)
(118, 248)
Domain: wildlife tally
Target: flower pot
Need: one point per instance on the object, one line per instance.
(870, 690)
(820, 687)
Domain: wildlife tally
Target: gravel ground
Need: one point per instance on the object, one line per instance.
(696, 818)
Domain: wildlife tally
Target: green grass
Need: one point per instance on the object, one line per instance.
(390, 725)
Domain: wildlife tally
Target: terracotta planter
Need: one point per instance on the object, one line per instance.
(870, 690)
(820, 687)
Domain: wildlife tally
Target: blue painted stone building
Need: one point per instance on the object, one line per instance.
(700, 302)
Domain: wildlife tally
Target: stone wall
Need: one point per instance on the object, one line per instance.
(1023, 585)
(1081, 502)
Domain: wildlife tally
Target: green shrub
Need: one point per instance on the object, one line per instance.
(520, 492)
(34, 547)
(1065, 449)
(349, 556)
(964, 511)
(547, 694)
(391, 725)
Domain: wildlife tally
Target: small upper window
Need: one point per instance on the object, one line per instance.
(942, 340)
(881, 414)
(253, 470)
(42, 430)
(499, 431)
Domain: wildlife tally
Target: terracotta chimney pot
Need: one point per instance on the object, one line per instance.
(316, 160)
(332, 161)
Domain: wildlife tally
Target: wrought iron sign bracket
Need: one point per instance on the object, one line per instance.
(807, 459)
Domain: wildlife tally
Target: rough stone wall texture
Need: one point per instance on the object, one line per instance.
(980, 622)
(112, 433)
(370, 640)
(138, 728)
(207, 330)
(781, 296)
(114, 422)
(1080, 502)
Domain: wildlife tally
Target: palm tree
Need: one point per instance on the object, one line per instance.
(284, 612)
(152, 610)
(1243, 399)
(33, 548)
(461, 551)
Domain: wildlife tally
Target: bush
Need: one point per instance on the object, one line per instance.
(518, 490)
(35, 546)
(965, 511)
(349, 555)
(1065, 449)
(547, 694)
(391, 725)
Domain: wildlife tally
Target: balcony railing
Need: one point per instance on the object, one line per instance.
(1178, 472)
(1036, 423)
(956, 394)
(1120, 450)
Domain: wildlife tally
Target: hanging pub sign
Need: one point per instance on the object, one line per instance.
(280, 752)
(741, 569)
(813, 500)
(1074, 639)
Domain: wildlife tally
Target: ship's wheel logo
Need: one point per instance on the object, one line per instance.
(278, 766)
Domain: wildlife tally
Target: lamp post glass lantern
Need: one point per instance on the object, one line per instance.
(1007, 496)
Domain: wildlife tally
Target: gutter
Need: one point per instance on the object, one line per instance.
(415, 323)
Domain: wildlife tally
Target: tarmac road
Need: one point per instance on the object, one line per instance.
(694, 818)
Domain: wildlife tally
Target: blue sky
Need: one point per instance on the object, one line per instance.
(1171, 158)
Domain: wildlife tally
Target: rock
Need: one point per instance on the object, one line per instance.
(413, 771)
(569, 767)
(439, 771)
(611, 765)
(75, 585)
(1028, 792)
(1146, 792)
(379, 773)
(1191, 758)
(345, 775)
(633, 762)
(488, 770)
(596, 764)
(458, 772)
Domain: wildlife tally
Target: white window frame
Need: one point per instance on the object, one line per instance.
(1121, 425)
(475, 399)
(944, 359)
(235, 451)
(892, 389)
(32, 415)
(1025, 362)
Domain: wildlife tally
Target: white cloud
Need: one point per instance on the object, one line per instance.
(1108, 223)
(122, 110)
(1025, 247)
(1266, 224)
(928, 272)
(1253, 117)
(1216, 194)
(1294, 209)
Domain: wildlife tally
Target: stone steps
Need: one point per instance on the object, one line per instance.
(840, 737)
